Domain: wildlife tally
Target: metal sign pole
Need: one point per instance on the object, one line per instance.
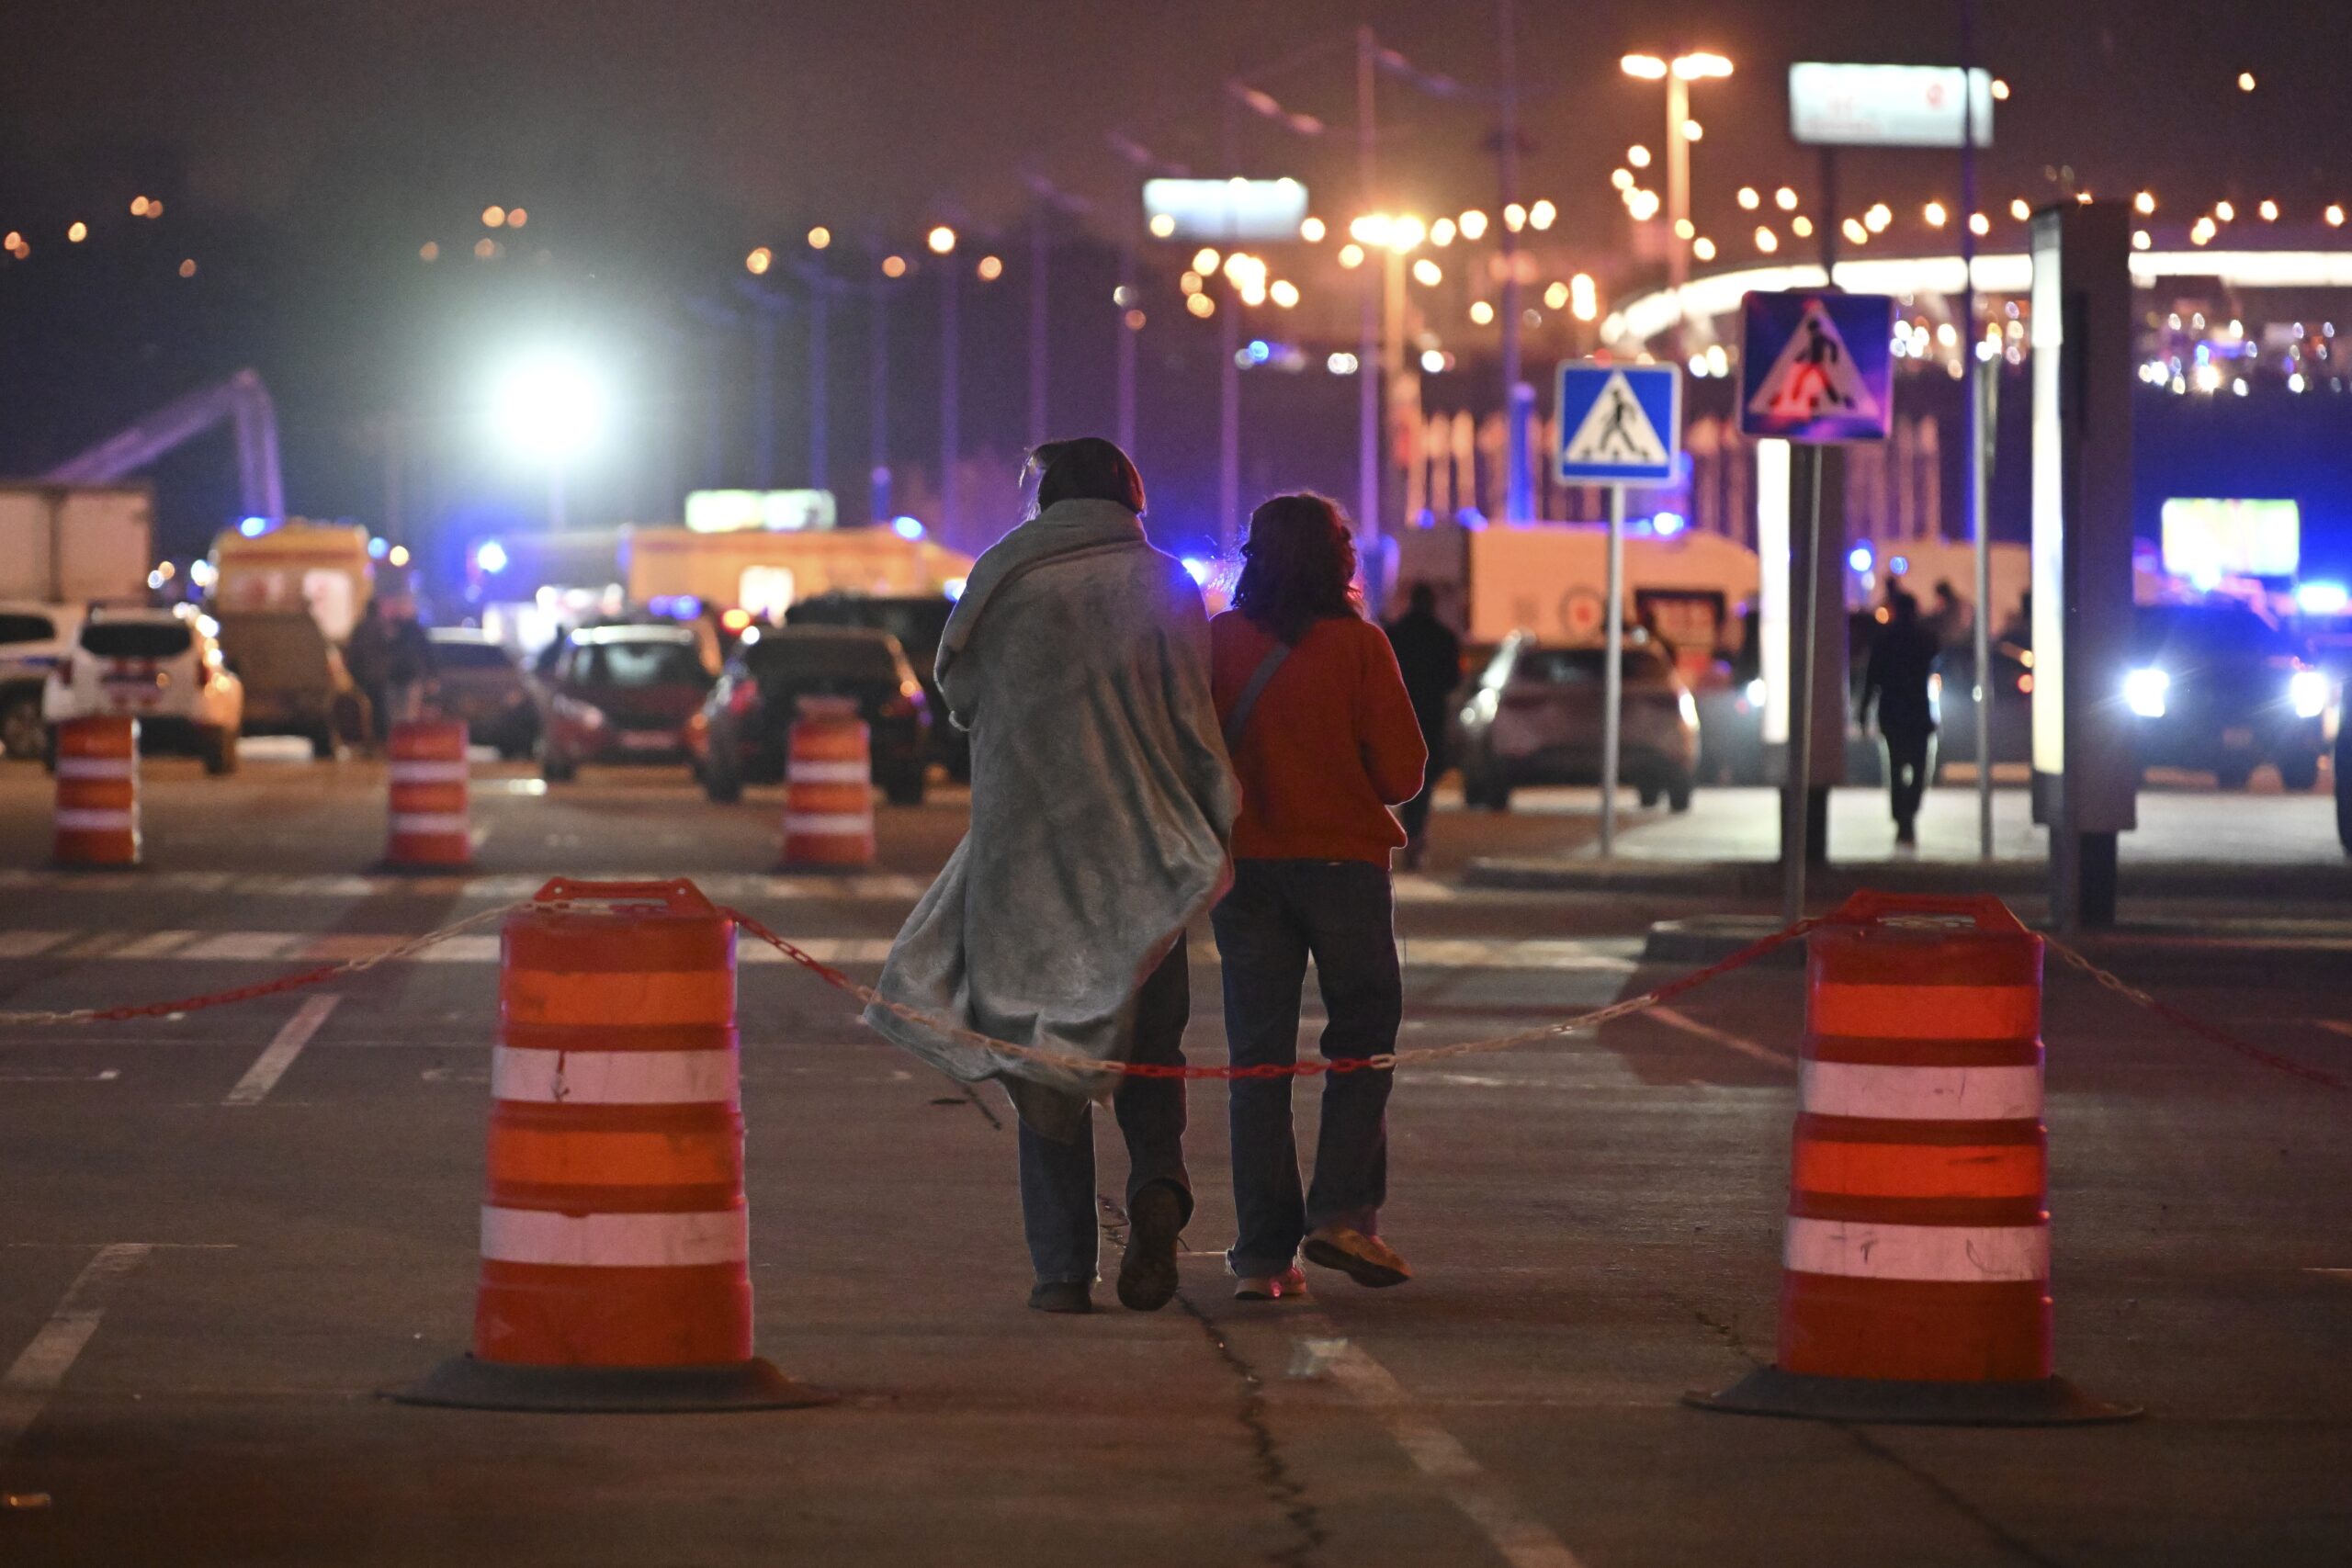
(1796, 805)
(1613, 677)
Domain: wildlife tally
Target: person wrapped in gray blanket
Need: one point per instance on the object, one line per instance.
(1103, 802)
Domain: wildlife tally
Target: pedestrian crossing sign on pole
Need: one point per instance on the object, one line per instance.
(1817, 365)
(1619, 424)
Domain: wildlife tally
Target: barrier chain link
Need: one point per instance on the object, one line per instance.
(2196, 1026)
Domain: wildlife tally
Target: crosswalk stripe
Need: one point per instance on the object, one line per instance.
(1598, 955)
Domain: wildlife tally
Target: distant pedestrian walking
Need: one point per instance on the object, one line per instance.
(1325, 740)
(1430, 656)
(1902, 662)
(1079, 659)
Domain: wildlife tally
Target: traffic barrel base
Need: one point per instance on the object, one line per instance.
(426, 774)
(614, 1271)
(1915, 1265)
(829, 789)
(2043, 1402)
(97, 817)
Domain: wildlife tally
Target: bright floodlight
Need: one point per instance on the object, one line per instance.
(1698, 67)
(1648, 67)
(550, 407)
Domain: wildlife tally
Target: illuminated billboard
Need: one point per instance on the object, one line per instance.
(1224, 209)
(2207, 540)
(1885, 105)
(774, 511)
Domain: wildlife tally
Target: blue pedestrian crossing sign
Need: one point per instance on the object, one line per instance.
(1619, 424)
(1817, 365)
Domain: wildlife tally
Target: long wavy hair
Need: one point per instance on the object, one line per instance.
(1299, 566)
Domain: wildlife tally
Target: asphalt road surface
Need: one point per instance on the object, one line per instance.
(222, 1233)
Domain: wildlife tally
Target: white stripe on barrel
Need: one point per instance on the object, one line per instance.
(613, 1078)
(428, 772)
(428, 822)
(1920, 1094)
(1948, 1253)
(79, 819)
(615, 1241)
(93, 767)
(828, 773)
(824, 822)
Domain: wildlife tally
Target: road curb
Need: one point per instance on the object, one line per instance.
(2217, 880)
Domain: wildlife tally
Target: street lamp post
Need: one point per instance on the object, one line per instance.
(941, 241)
(1678, 74)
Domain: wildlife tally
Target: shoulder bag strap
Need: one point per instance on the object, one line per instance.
(1237, 720)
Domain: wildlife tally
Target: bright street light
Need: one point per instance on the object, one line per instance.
(1681, 131)
(550, 407)
(941, 240)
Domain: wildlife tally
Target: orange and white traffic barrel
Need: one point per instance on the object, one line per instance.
(428, 776)
(829, 788)
(97, 818)
(1915, 1276)
(615, 1251)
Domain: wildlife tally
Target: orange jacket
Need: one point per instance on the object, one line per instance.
(1331, 745)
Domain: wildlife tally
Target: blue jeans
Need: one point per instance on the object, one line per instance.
(1278, 913)
(1058, 1178)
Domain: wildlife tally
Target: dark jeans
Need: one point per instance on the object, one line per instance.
(1910, 758)
(1058, 1178)
(1280, 912)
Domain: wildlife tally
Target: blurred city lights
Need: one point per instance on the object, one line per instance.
(2335, 215)
(2020, 209)
(1800, 226)
(1641, 204)
(1698, 67)
(77, 231)
(1748, 198)
(1473, 224)
(942, 240)
(2246, 81)
(253, 528)
(1934, 214)
(1647, 67)
(894, 267)
(759, 260)
(1206, 260)
(1284, 292)
(1638, 155)
(1352, 255)
(1622, 179)
(2225, 211)
(1340, 364)
(1405, 232)
(1481, 313)
(1162, 225)
(187, 267)
(1703, 248)
(1685, 229)
(990, 268)
(1693, 131)
(1555, 297)
(429, 251)
(1191, 283)
(493, 217)
(2140, 239)
(2000, 89)
(516, 217)
(2145, 203)
(1785, 199)
(2269, 211)
(139, 207)
(819, 237)
(1543, 215)
(1767, 240)
(907, 527)
(550, 406)
(1584, 297)
(1979, 225)
(490, 555)
(1312, 230)
(485, 248)
(1514, 218)
(1854, 232)
(1433, 360)
(1441, 231)
(1877, 218)
(397, 555)
(1133, 321)
(1201, 305)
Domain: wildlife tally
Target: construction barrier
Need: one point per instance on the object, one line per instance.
(1915, 1280)
(829, 788)
(97, 819)
(615, 1251)
(429, 830)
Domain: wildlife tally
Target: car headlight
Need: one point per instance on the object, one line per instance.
(2144, 691)
(1756, 692)
(2307, 689)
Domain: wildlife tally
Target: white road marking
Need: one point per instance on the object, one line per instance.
(1522, 1540)
(1722, 1037)
(271, 1065)
(37, 1370)
(155, 944)
(30, 945)
(107, 1075)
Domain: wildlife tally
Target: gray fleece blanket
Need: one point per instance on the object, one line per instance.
(1101, 804)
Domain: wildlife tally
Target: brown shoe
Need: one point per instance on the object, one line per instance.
(1147, 1277)
(1367, 1259)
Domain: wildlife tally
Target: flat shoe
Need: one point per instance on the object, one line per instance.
(1367, 1259)
(1291, 1281)
(1062, 1295)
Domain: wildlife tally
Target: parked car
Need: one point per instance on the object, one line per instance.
(1534, 716)
(476, 680)
(2215, 686)
(620, 693)
(1955, 694)
(161, 666)
(33, 638)
(295, 681)
(743, 734)
(917, 621)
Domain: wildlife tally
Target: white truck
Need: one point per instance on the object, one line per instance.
(61, 546)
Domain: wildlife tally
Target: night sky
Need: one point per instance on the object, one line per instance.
(307, 150)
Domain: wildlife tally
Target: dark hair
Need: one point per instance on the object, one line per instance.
(1086, 468)
(1424, 599)
(1905, 607)
(1299, 566)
